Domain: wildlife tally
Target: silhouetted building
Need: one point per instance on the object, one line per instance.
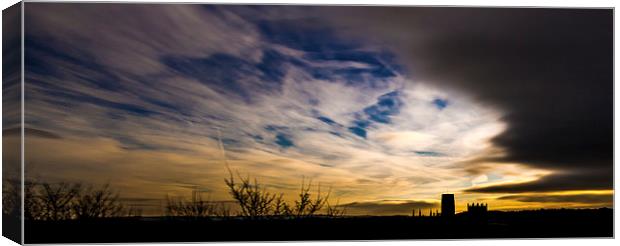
(477, 209)
(447, 205)
(477, 212)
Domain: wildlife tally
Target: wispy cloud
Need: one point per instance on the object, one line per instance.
(391, 207)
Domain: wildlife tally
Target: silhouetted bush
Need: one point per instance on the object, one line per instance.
(280, 208)
(64, 201)
(97, 203)
(32, 206)
(306, 206)
(254, 201)
(197, 207)
(75, 201)
(55, 201)
(336, 210)
(11, 197)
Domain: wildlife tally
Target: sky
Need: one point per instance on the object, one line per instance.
(387, 107)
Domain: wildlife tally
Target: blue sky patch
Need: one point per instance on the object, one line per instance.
(227, 73)
(302, 34)
(49, 58)
(374, 67)
(428, 153)
(257, 138)
(321, 44)
(221, 71)
(82, 98)
(387, 105)
(440, 103)
(361, 132)
(284, 141)
(361, 123)
(373, 76)
(328, 121)
(272, 66)
(274, 128)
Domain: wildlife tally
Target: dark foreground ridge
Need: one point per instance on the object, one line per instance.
(519, 224)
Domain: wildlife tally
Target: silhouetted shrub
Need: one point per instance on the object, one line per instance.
(132, 211)
(197, 207)
(32, 205)
(336, 210)
(96, 203)
(11, 197)
(254, 201)
(63, 201)
(55, 200)
(306, 206)
(280, 208)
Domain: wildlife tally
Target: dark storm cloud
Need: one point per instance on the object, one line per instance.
(549, 71)
(581, 198)
(580, 180)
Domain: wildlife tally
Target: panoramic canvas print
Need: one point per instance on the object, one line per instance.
(200, 122)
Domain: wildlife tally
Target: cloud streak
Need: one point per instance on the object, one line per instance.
(390, 207)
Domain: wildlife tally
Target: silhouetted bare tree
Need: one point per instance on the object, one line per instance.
(280, 207)
(96, 203)
(197, 207)
(223, 210)
(32, 204)
(253, 199)
(336, 210)
(63, 201)
(132, 211)
(56, 200)
(11, 197)
(306, 206)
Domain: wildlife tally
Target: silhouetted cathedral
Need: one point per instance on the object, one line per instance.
(477, 209)
(477, 212)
